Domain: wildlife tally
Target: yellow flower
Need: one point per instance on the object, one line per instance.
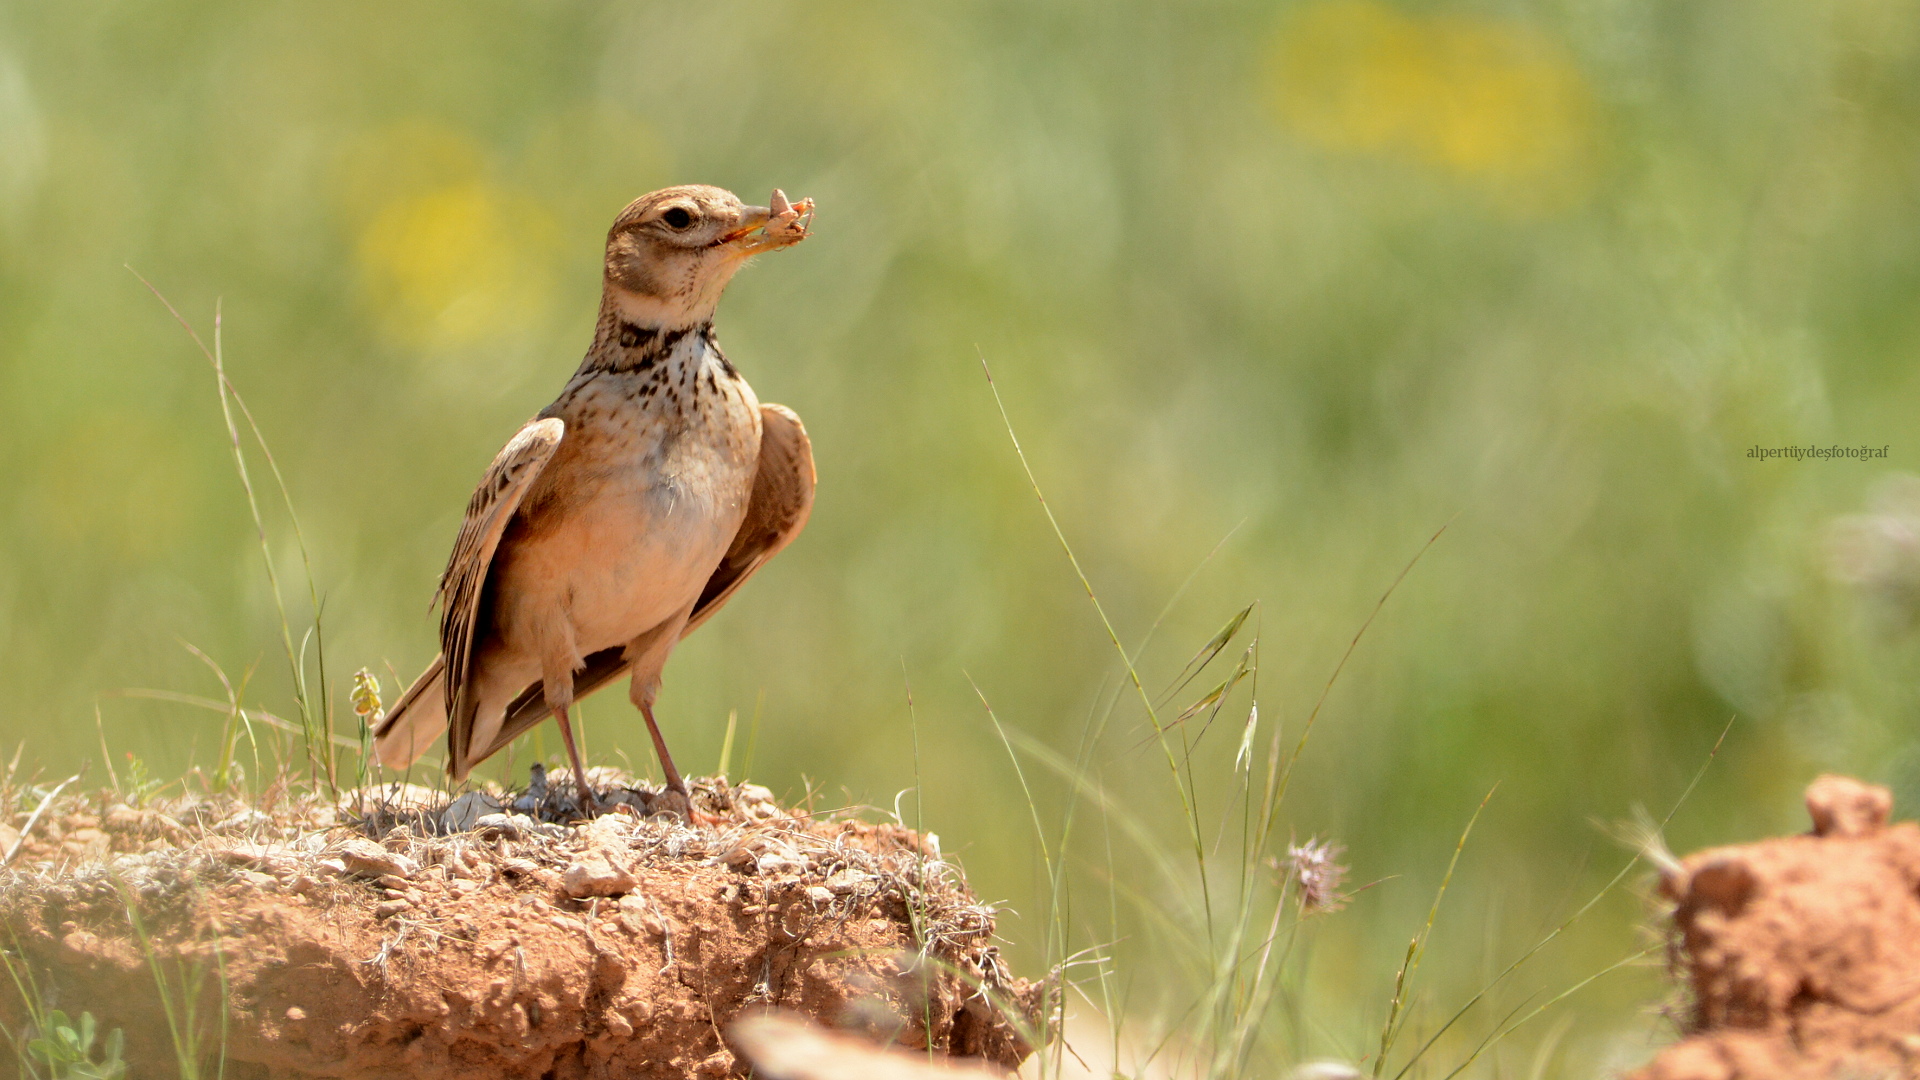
(449, 257)
(1491, 101)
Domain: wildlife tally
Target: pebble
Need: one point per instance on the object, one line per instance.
(466, 812)
(364, 858)
(503, 826)
(847, 879)
(755, 802)
(261, 857)
(242, 821)
(602, 867)
(594, 875)
(87, 842)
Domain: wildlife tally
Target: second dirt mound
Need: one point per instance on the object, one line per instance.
(1802, 954)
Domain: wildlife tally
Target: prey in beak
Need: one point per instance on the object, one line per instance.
(768, 228)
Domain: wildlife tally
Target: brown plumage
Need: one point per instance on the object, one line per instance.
(628, 511)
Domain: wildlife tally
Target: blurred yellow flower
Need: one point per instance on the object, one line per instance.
(449, 257)
(1489, 100)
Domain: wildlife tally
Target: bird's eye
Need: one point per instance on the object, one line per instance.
(677, 217)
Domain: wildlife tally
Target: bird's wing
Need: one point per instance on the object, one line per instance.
(776, 511)
(492, 506)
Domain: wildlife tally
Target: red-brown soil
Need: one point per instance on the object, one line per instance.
(421, 940)
(1802, 954)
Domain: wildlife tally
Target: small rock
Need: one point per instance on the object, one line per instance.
(536, 793)
(820, 894)
(364, 858)
(781, 860)
(466, 811)
(755, 802)
(242, 821)
(763, 854)
(614, 830)
(262, 857)
(88, 843)
(595, 876)
(388, 909)
(847, 879)
(503, 826)
(601, 869)
(122, 818)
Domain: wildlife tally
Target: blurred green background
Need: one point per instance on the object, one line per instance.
(1304, 281)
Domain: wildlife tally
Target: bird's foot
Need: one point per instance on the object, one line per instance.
(590, 804)
(673, 801)
(678, 801)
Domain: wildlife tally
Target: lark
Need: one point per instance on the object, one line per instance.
(628, 511)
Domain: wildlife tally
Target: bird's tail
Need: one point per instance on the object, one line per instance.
(415, 721)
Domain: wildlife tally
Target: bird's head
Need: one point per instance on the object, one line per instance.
(671, 253)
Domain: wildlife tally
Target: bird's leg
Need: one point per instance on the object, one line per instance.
(648, 654)
(589, 804)
(675, 782)
(559, 659)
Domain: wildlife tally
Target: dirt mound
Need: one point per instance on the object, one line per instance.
(1802, 954)
(400, 933)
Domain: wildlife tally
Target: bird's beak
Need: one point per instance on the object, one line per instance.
(782, 224)
(751, 218)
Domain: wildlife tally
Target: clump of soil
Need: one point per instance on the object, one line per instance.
(1802, 953)
(403, 932)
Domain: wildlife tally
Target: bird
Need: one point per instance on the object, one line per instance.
(623, 515)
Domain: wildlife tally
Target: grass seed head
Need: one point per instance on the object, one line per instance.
(1316, 871)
